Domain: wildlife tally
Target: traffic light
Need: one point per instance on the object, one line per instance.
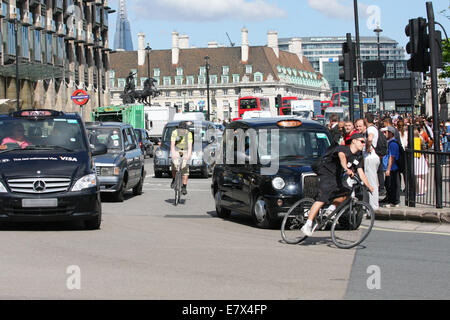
(348, 61)
(418, 45)
(439, 58)
(278, 101)
(186, 107)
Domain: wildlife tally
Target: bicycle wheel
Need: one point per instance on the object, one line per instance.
(177, 188)
(294, 220)
(350, 231)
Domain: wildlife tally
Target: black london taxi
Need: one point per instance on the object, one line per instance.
(264, 166)
(46, 169)
(122, 167)
(203, 131)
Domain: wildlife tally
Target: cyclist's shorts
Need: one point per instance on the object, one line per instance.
(329, 189)
(184, 170)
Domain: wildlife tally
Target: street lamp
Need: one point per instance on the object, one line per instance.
(148, 49)
(207, 85)
(378, 30)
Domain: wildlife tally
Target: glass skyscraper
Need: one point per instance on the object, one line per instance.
(122, 39)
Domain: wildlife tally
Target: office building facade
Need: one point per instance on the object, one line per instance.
(62, 47)
(180, 74)
(122, 38)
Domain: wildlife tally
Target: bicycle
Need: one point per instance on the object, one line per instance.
(180, 164)
(348, 226)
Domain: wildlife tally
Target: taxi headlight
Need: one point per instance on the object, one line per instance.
(197, 155)
(89, 181)
(2, 188)
(278, 183)
(159, 153)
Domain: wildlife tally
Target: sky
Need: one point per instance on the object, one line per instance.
(211, 20)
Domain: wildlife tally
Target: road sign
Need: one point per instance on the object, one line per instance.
(369, 100)
(80, 97)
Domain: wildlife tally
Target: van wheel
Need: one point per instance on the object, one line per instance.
(137, 190)
(94, 224)
(221, 211)
(119, 195)
(205, 172)
(260, 213)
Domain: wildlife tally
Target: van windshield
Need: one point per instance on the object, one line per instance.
(196, 132)
(111, 137)
(54, 133)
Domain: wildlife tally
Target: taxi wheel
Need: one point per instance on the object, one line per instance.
(221, 211)
(260, 213)
(94, 224)
(158, 174)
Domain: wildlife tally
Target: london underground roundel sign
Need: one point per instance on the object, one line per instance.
(80, 97)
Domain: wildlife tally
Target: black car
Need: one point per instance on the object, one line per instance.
(144, 142)
(266, 184)
(46, 171)
(122, 167)
(205, 133)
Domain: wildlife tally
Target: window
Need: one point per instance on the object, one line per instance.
(201, 80)
(179, 80)
(156, 72)
(112, 74)
(258, 77)
(11, 39)
(191, 93)
(248, 69)
(225, 70)
(121, 82)
(225, 79)
(190, 80)
(225, 92)
(167, 94)
(142, 81)
(25, 44)
(179, 71)
(202, 71)
(213, 79)
(112, 82)
(236, 78)
(167, 81)
(37, 45)
(49, 40)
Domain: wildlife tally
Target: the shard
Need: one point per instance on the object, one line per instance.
(122, 39)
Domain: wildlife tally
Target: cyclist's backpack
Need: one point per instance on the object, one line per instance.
(382, 145)
(319, 163)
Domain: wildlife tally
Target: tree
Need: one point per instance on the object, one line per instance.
(446, 58)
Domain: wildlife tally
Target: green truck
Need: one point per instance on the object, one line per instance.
(131, 114)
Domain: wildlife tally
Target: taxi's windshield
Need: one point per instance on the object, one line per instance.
(36, 134)
(111, 137)
(297, 145)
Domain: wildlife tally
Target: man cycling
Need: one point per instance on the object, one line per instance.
(342, 160)
(181, 151)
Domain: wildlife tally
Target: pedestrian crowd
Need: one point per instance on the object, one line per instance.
(384, 152)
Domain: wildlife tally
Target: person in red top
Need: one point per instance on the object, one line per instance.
(349, 130)
(17, 136)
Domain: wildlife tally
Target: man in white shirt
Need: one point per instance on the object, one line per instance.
(372, 160)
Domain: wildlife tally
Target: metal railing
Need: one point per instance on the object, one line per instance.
(421, 183)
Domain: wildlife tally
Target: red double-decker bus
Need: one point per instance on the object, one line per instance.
(253, 104)
(285, 108)
(324, 105)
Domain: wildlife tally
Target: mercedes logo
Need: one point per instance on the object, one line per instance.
(39, 186)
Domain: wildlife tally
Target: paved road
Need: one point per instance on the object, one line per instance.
(149, 249)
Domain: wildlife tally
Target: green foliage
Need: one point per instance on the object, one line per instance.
(446, 57)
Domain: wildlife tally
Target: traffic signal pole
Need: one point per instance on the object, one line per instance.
(435, 102)
(358, 60)
(351, 91)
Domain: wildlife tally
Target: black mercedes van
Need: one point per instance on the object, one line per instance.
(46, 169)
